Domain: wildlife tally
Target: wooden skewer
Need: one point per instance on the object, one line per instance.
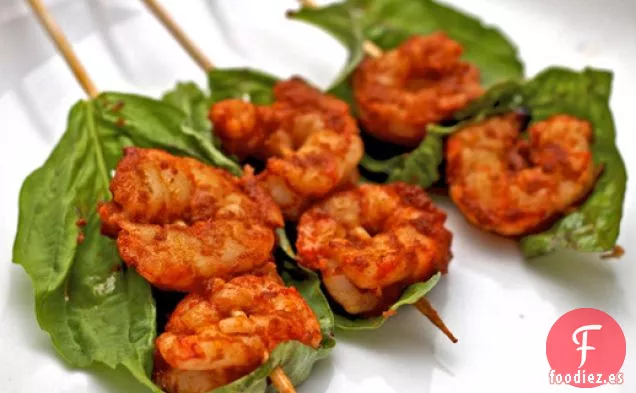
(429, 311)
(279, 378)
(64, 47)
(281, 381)
(369, 47)
(423, 304)
(177, 32)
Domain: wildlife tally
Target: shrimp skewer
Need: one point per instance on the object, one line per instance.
(278, 376)
(513, 186)
(371, 242)
(400, 92)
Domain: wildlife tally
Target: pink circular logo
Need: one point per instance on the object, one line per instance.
(586, 348)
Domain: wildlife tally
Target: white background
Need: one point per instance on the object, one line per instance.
(499, 306)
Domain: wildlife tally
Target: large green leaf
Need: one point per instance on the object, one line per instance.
(243, 83)
(417, 167)
(157, 124)
(94, 310)
(344, 22)
(194, 102)
(387, 23)
(595, 225)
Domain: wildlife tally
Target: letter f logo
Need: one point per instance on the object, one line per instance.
(583, 344)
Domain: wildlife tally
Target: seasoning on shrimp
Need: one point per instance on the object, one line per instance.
(309, 139)
(510, 185)
(371, 242)
(180, 222)
(217, 336)
(422, 81)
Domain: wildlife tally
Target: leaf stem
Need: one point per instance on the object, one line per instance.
(92, 130)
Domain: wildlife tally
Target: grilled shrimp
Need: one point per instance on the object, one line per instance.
(180, 222)
(510, 185)
(309, 139)
(420, 82)
(225, 332)
(370, 242)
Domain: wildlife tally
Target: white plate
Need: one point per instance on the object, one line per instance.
(499, 306)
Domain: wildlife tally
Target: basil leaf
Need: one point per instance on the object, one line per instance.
(344, 22)
(93, 310)
(154, 123)
(410, 296)
(192, 101)
(244, 83)
(390, 22)
(595, 225)
(417, 167)
(387, 23)
(294, 357)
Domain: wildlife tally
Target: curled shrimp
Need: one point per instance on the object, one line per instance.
(309, 139)
(510, 185)
(180, 222)
(422, 81)
(225, 332)
(370, 242)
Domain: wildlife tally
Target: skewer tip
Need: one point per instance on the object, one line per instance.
(281, 381)
(426, 308)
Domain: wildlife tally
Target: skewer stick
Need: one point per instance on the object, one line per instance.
(177, 32)
(369, 47)
(423, 305)
(279, 379)
(64, 47)
(429, 311)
